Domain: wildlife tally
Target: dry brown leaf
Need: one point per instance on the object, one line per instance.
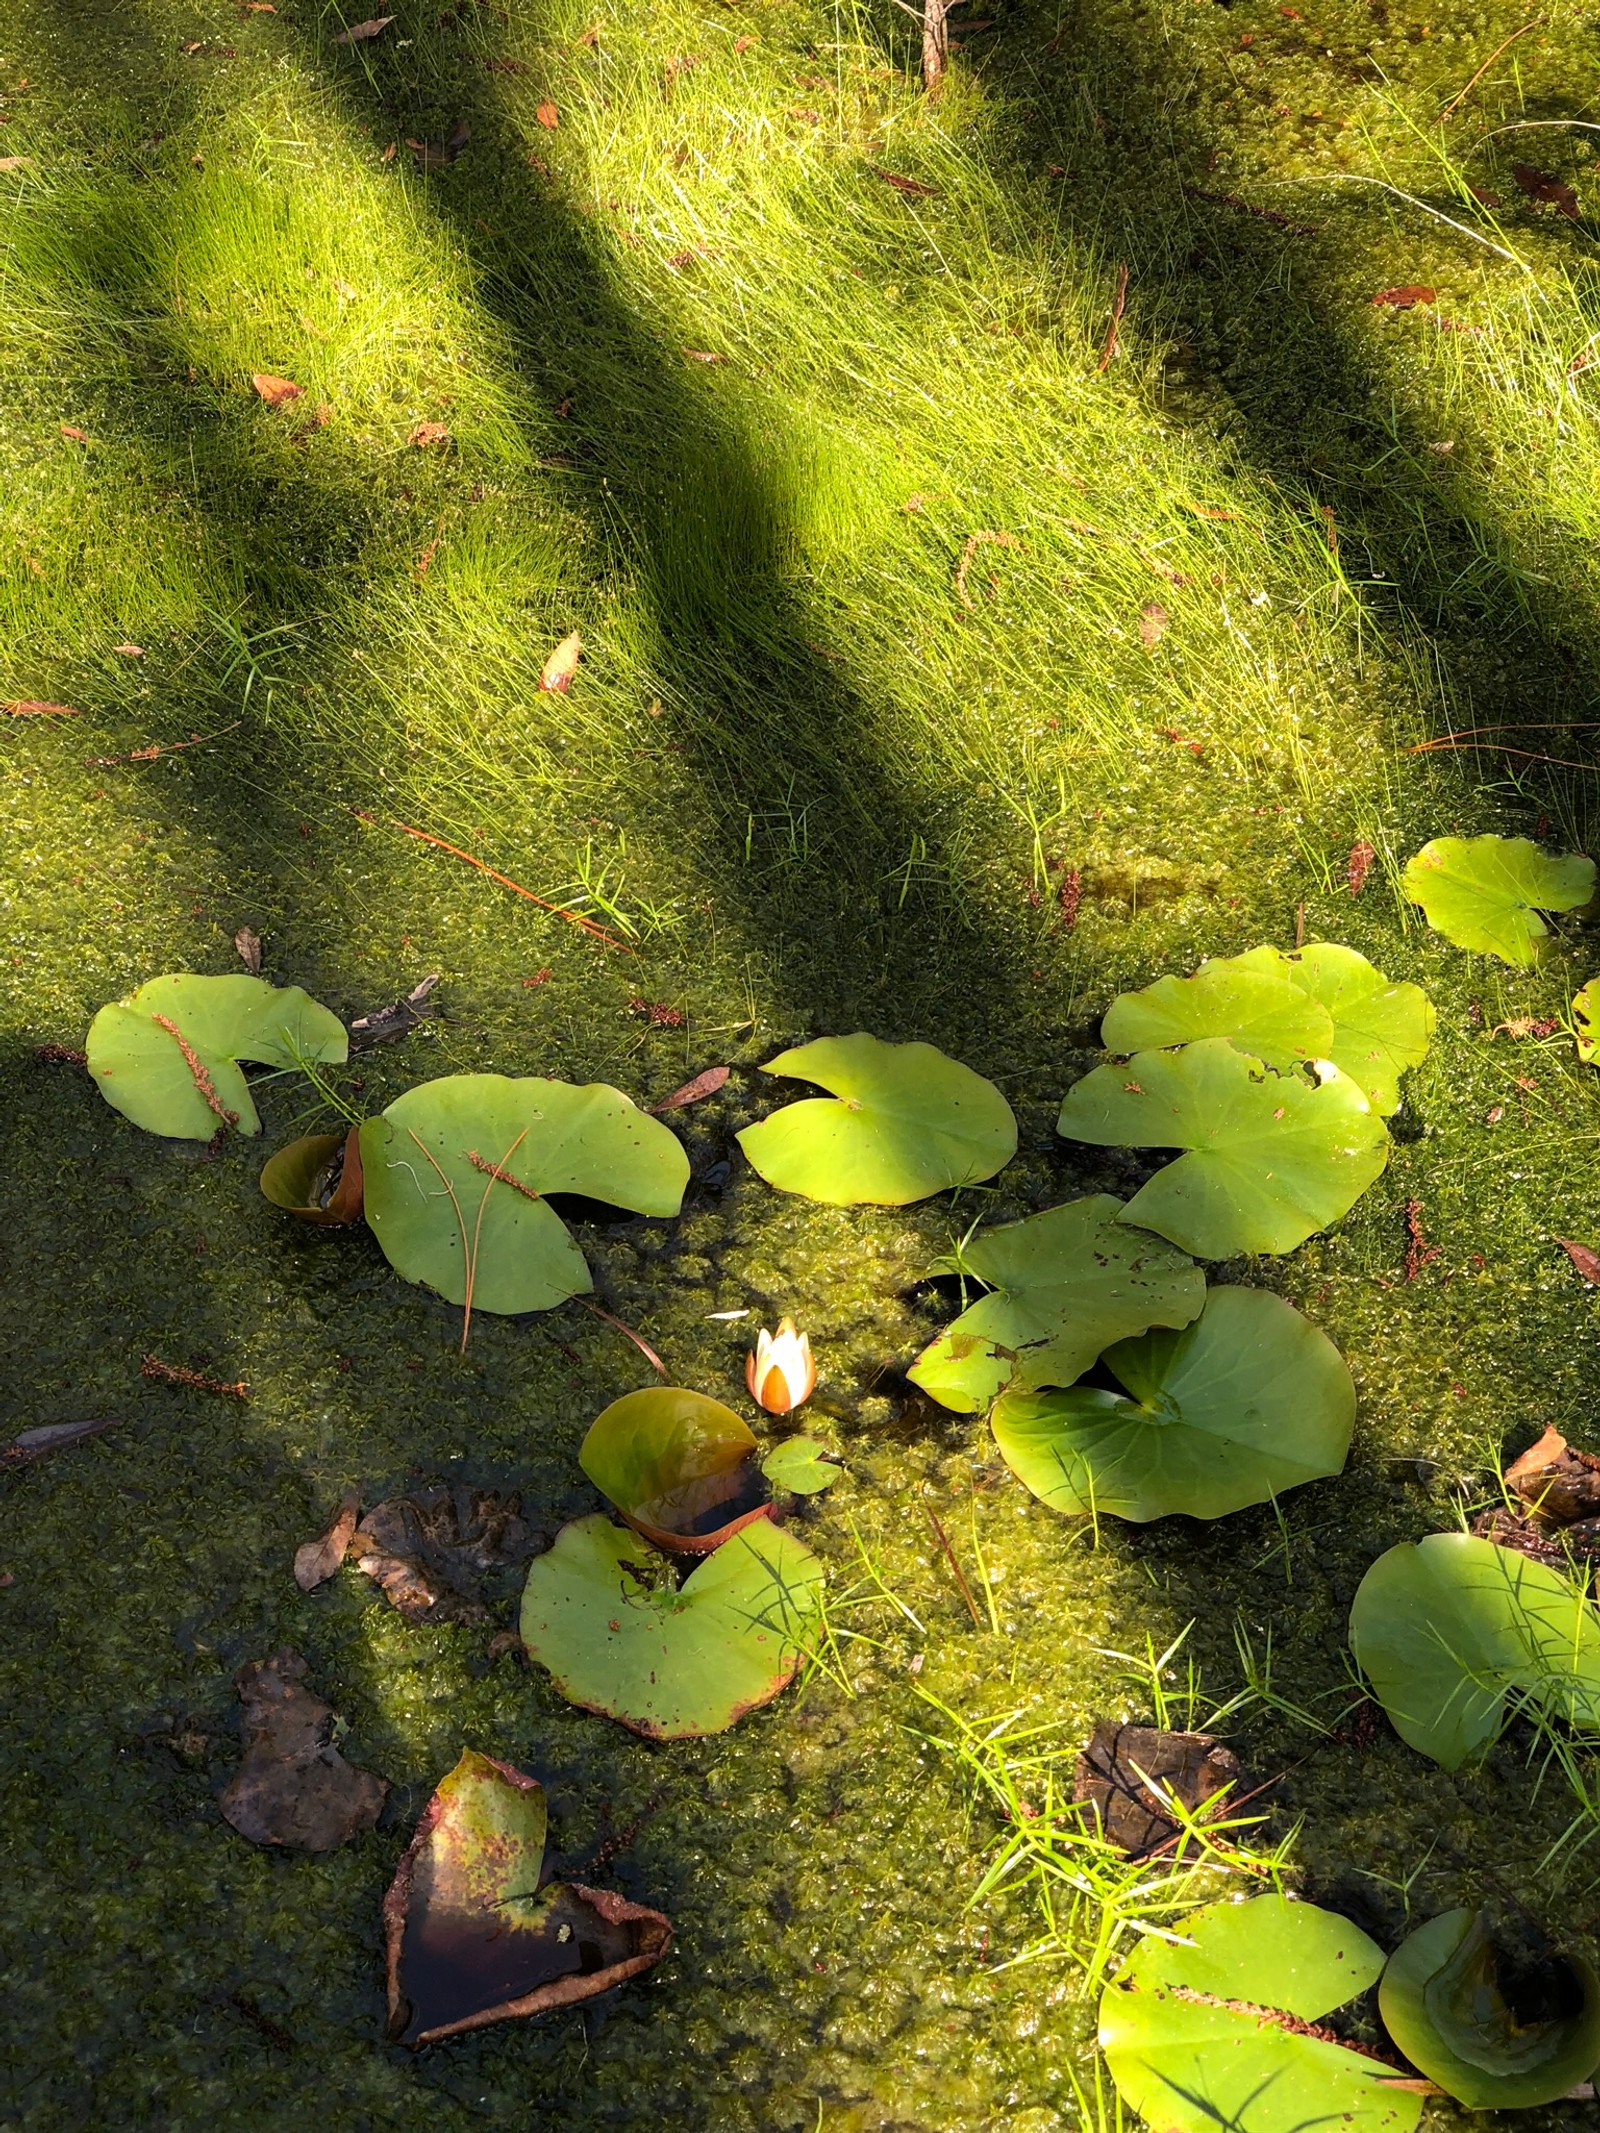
(706, 1084)
(1545, 191)
(388, 153)
(248, 945)
(439, 156)
(591, 36)
(294, 1787)
(27, 708)
(974, 542)
(912, 186)
(129, 651)
(1586, 1261)
(70, 429)
(1404, 298)
(1360, 865)
(53, 1437)
(704, 355)
(398, 1019)
(1538, 1457)
(316, 1561)
(556, 676)
(742, 45)
(9, 163)
(1153, 621)
(1127, 1775)
(427, 433)
(430, 1552)
(277, 392)
(359, 32)
(548, 115)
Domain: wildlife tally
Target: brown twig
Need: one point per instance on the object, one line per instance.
(159, 748)
(1527, 755)
(622, 1326)
(950, 1557)
(1462, 94)
(196, 1066)
(494, 1170)
(974, 542)
(1117, 303)
(176, 1374)
(573, 918)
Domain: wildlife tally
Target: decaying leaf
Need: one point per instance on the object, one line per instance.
(430, 1552)
(52, 1437)
(294, 1788)
(693, 1092)
(471, 1937)
(1128, 1776)
(359, 32)
(548, 115)
(277, 392)
(1546, 191)
(560, 668)
(1360, 866)
(248, 944)
(1403, 299)
(11, 163)
(398, 1019)
(71, 429)
(30, 707)
(911, 186)
(432, 155)
(427, 433)
(1586, 1260)
(1153, 621)
(316, 1561)
(1559, 1485)
(129, 651)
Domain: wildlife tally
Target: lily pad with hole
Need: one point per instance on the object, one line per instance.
(1063, 1285)
(458, 1171)
(1210, 2030)
(618, 1636)
(168, 1056)
(470, 1935)
(317, 1178)
(1380, 1029)
(1499, 2028)
(1271, 1158)
(1450, 1630)
(1249, 1401)
(802, 1466)
(1586, 1021)
(679, 1467)
(903, 1121)
(1487, 892)
(1259, 1010)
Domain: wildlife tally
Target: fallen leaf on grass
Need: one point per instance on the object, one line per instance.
(1556, 1483)
(1404, 298)
(27, 707)
(438, 156)
(427, 433)
(706, 1084)
(129, 651)
(1153, 621)
(556, 675)
(704, 355)
(1361, 858)
(1586, 1261)
(548, 115)
(359, 32)
(10, 163)
(741, 45)
(398, 1019)
(912, 186)
(1128, 1775)
(471, 1938)
(52, 1437)
(1545, 191)
(248, 945)
(277, 392)
(316, 1561)
(71, 429)
(1483, 196)
(974, 542)
(430, 1552)
(591, 36)
(294, 1788)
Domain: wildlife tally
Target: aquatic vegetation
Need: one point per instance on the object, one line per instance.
(1454, 1632)
(1215, 2029)
(317, 1177)
(1487, 893)
(679, 1466)
(903, 1122)
(1585, 1013)
(780, 1370)
(471, 1933)
(1270, 1158)
(458, 1173)
(1063, 1285)
(802, 1466)
(1248, 1401)
(168, 1056)
(1496, 2028)
(620, 1637)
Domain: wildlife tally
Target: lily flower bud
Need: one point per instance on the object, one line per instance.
(780, 1372)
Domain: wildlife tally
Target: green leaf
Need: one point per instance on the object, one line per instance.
(1065, 1284)
(1247, 1402)
(908, 1122)
(155, 1053)
(1188, 2032)
(436, 1211)
(1259, 1010)
(1586, 1021)
(1447, 1630)
(677, 1465)
(1495, 2034)
(1487, 892)
(1379, 1029)
(671, 1663)
(802, 1466)
(1272, 1158)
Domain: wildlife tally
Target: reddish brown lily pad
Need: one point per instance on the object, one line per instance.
(318, 1178)
(294, 1788)
(431, 1551)
(1127, 1774)
(678, 1465)
(469, 1934)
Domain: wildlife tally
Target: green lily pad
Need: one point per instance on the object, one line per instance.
(469, 1934)
(1449, 1629)
(1063, 1285)
(318, 1177)
(1379, 1029)
(1586, 1021)
(1272, 1158)
(1260, 1010)
(1495, 2033)
(905, 1122)
(671, 1663)
(802, 1466)
(1487, 892)
(168, 1056)
(1194, 2035)
(677, 1465)
(457, 1171)
(1247, 1402)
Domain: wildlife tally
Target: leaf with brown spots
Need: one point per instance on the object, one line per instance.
(1546, 191)
(557, 674)
(427, 433)
(1583, 1258)
(294, 1788)
(359, 32)
(1153, 621)
(277, 392)
(28, 707)
(316, 1561)
(1403, 299)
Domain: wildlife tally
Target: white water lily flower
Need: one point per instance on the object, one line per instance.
(780, 1371)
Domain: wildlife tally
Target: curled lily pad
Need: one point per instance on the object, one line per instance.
(678, 1466)
(1260, 1010)
(457, 1172)
(1448, 1630)
(904, 1121)
(1247, 1402)
(1211, 2030)
(1487, 892)
(1063, 1285)
(1271, 1158)
(469, 1934)
(317, 1178)
(168, 1056)
(802, 1466)
(1496, 2030)
(672, 1663)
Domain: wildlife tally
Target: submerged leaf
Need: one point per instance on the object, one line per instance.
(1272, 1159)
(316, 1561)
(1494, 2032)
(1447, 1630)
(671, 1664)
(168, 1056)
(677, 1465)
(1064, 1285)
(294, 1787)
(1129, 1777)
(469, 1934)
(904, 1121)
(1210, 2030)
(431, 1552)
(1247, 1402)
(1487, 892)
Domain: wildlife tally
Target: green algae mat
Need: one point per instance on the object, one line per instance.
(643, 514)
